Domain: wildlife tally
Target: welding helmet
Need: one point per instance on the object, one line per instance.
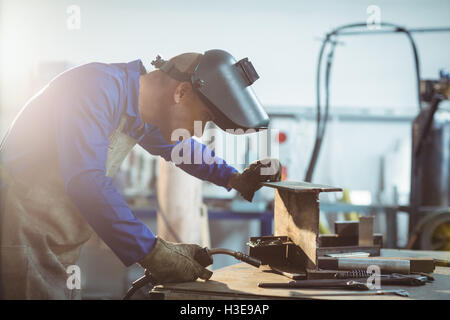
(224, 85)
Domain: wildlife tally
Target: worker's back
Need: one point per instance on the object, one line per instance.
(32, 138)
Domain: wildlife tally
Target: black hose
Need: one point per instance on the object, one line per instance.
(320, 129)
(203, 257)
(237, 255)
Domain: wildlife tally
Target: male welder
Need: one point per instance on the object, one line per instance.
(61, 152)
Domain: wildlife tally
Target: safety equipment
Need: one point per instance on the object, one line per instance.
(249, 181)
(224, 85)
(174, 262)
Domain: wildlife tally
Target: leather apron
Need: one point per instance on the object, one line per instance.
(42, 232)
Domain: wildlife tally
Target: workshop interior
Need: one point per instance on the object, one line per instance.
(351, 97)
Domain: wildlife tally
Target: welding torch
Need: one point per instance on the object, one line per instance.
(203, 257)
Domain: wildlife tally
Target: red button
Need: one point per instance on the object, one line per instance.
(282, 137)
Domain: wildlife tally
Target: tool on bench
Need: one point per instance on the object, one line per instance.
(202, 258)
(288, 274)
(333, 284)
(359, 281)
(404, 265)
(397, 292)
(424, 274)
(325, 283)
(413, 279)
(387, 279)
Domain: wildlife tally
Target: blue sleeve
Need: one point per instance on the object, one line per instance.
(84, 121)
(199, 160)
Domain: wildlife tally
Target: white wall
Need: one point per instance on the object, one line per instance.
(280, 37)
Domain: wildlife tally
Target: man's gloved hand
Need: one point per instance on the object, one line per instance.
(249, 181)
(174, 262)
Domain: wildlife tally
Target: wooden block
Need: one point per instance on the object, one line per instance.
(365, 231)
(297, 216)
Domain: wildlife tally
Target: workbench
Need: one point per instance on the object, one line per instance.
(240, 281)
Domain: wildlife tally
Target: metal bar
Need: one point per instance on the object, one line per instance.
(391, 228)
(416, 30)
(300, 186)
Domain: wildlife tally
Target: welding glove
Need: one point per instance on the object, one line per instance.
(174, 262)
(249, 181)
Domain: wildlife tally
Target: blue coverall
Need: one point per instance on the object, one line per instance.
(72, 119)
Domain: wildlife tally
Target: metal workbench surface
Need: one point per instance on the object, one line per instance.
(240, 281)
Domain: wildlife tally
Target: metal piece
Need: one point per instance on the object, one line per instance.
(385, 279)
(266, 241)
(290, 275)
(296, 215)
(373, 251)
(348, 254)
(321, 283)
(278, 251)
(364, 276)
(365, 231)
(426, 275)
(401, 266)
(386, 265)
(352, 274)
(333, 240)
(269, 249)
(397, 292)
(412, 30)
(299, 186)
(399, 279)
(346, 228)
